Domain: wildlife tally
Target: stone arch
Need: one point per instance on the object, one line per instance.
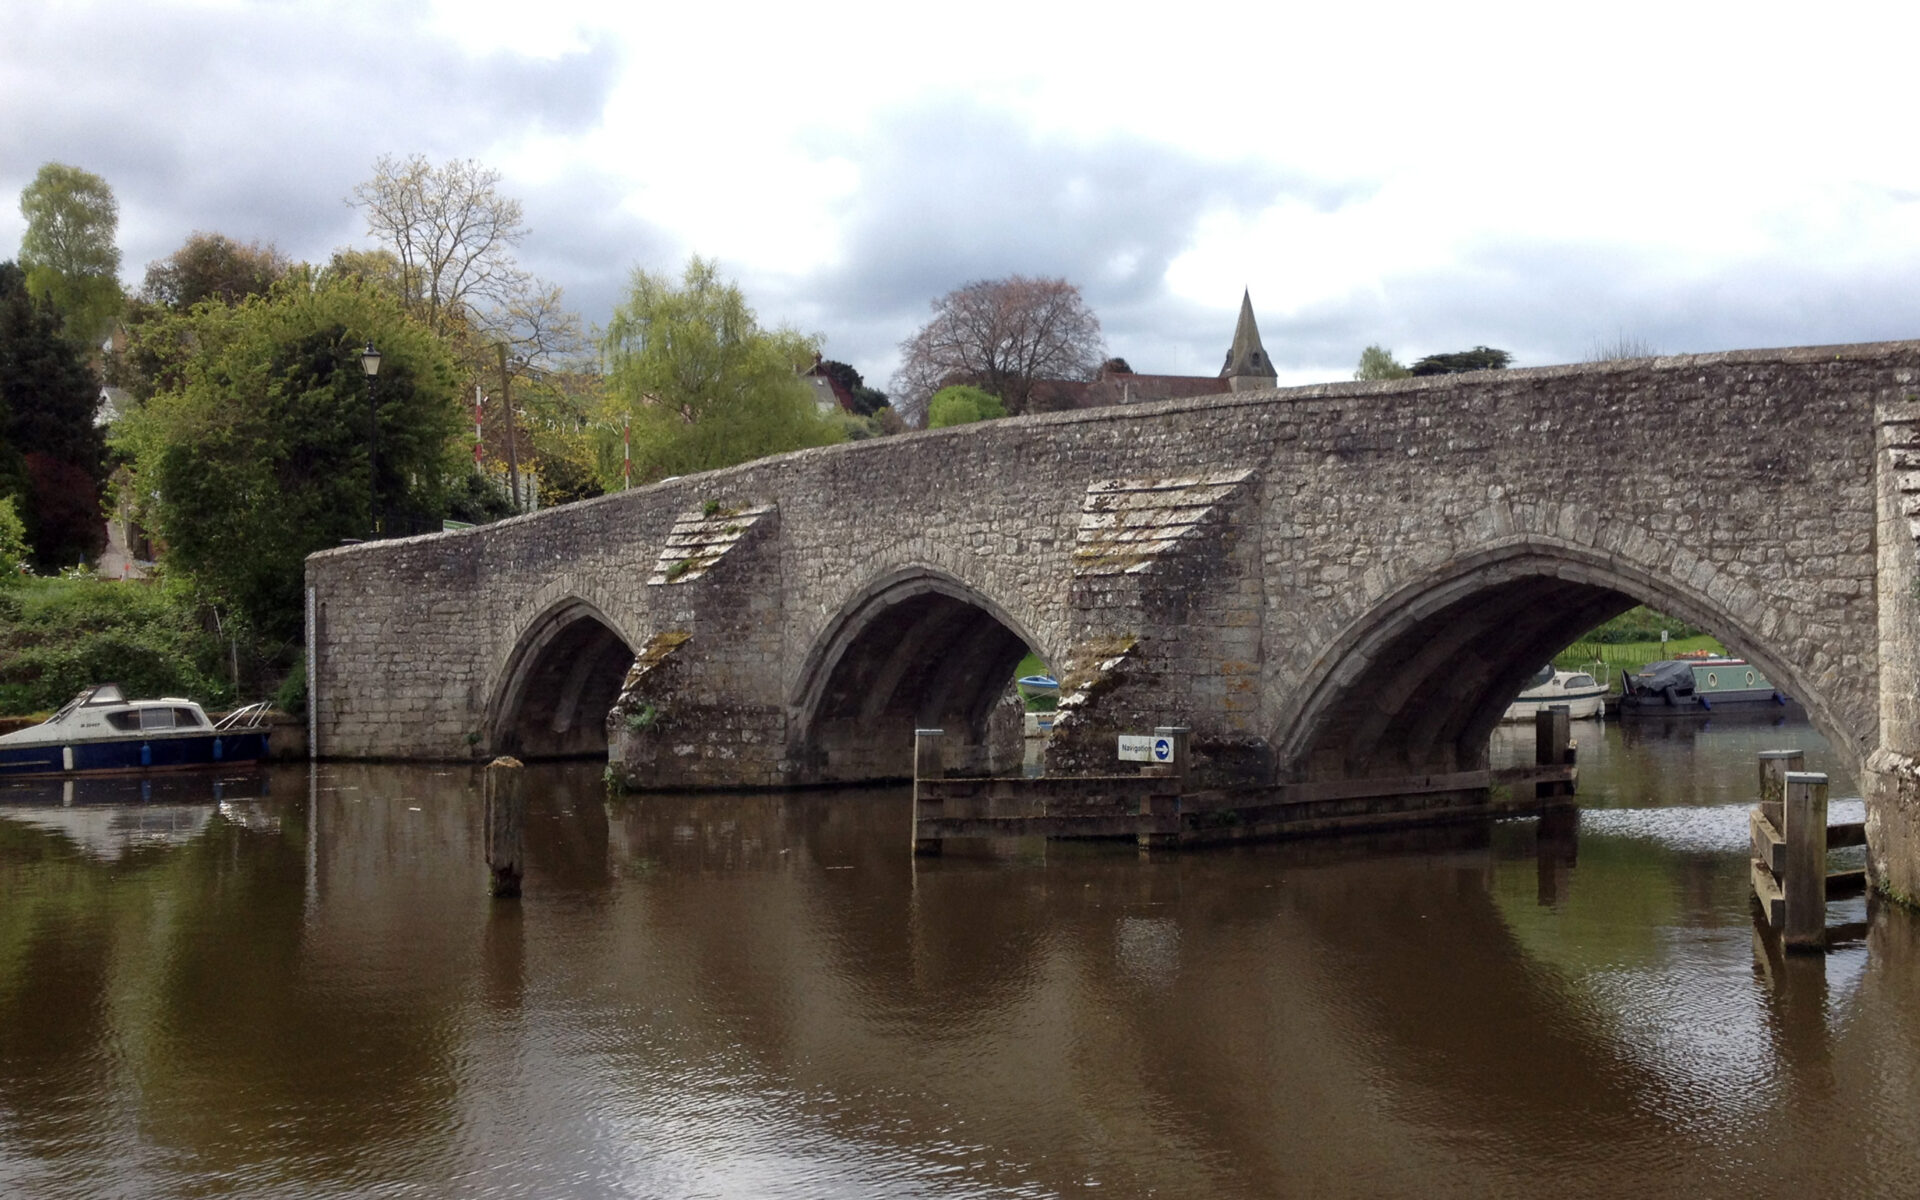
(1416, 682)
(913, 648)
(550, 695)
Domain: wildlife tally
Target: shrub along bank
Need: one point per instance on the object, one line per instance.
(58, 636)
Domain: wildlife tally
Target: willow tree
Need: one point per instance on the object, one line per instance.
(68, 250)
(700, 383)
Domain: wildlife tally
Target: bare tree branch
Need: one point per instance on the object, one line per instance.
(1002, 336)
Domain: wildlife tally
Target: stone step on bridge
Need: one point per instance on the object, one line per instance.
(1329, 586)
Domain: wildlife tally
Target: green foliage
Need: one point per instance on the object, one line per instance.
(258, 455)
(292, 694)
(477, 500)
(962, 405)
(13, 542)
(52, 457)
(60, 635)
(1378, 362)
(1480, 358)
(68, 250)
(702, 384)
(1641, 624)
(212, 266)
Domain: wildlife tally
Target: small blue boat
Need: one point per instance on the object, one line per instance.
(100, 731)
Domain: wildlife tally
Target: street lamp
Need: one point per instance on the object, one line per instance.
(370, 363)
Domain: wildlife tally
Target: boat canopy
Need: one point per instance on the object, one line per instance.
(1667, 673)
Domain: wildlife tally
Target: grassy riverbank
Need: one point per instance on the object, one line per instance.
(1625, 658)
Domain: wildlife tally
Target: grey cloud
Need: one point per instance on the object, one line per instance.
(257, 122)
(952, 194)
(1555, 302)
(583, 240)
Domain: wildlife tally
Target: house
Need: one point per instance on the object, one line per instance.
(828, 393)
(1247, 368)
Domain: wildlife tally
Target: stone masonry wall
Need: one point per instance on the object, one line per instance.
(1740, 491)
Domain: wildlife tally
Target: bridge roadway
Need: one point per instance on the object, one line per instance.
(1338, 582)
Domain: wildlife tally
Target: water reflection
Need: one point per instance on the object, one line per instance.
(765, 994)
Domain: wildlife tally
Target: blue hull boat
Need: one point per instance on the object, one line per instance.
(100, 731)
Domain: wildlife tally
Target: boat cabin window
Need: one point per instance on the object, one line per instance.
(125, 720)
(186, 718)
(1580, 681)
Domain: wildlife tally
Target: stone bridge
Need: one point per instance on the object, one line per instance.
(1333, 582)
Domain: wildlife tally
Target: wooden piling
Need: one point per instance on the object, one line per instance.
(1805, 877)
(929, 764)
(1774, 765)
(506, 825)
(1552, 747)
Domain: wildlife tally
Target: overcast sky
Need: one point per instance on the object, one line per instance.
(1541, 178)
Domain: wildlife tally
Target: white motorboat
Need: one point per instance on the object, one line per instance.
(1579, 691)
(100, 730)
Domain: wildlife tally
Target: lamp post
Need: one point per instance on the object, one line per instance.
(370, 363)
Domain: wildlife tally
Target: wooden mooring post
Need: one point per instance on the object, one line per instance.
(1790, 838)
(1553, 746)
(506, 825)
(929, 764)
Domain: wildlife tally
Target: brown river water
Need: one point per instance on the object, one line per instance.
(300, 987)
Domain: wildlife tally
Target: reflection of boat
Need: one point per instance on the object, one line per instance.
(1678, 685)
(101, 730)
(106, 816)
(1581, 693)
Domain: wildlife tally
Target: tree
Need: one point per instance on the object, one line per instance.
(52, 457)
(999, 335)
(212, 266)
(1619, 347)
(962, 405)
(258, 454)
(68, 250)
(447, 236)
(1480, 358)
(1378, 362)
(13, 541)
(451, 231)
(701, 383)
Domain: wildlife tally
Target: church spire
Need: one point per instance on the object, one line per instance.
(1248, 367)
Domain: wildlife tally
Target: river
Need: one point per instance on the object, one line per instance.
(300, 987)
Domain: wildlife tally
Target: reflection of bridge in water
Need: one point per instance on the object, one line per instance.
(1328, 586)
(723, 989)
